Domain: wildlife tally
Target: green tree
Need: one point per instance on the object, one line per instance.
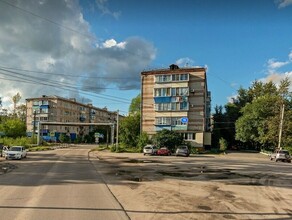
(143, 140)
(259, 123)
(13, 128)
(21, 112)
(15, 99)
(167, 138)
(129, 130)
(135, 105)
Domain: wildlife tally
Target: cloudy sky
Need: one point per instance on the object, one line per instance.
(96, 50)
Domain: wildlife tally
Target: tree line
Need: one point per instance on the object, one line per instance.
(253, 119)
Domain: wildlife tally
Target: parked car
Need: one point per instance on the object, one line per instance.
(150, 149)
(164, 151)
(16, 152)
(182, 150)
(281, 155)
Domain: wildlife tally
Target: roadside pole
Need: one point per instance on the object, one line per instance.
(281, 126)
(117, 138)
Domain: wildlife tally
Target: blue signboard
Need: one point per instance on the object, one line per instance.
(184, 120)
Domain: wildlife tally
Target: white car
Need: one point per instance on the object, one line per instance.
(16, 152)
(150, 149)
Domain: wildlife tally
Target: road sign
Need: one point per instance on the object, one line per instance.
(184, 120)
(98, 135)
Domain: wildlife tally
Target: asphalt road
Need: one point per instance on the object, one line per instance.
(233, 186)
(59, 184)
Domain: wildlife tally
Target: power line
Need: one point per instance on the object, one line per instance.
(60, 74)
(107, 97)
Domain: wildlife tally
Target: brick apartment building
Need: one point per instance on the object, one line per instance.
(58, 109)
(177, 99)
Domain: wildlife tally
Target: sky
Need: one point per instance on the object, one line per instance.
(94, 51)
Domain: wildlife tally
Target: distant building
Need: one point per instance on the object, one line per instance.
(58, 109)
(177, 99)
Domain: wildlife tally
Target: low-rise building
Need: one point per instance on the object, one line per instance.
(58, 109)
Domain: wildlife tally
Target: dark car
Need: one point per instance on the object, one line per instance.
(164, 151)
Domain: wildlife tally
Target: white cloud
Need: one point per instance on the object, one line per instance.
(112, 43)
(69, 53)
(278, 77)
(273, 64)
(283, 3)
(185, 62)
(274, 72)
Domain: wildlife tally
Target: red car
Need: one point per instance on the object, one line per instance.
(163, 151)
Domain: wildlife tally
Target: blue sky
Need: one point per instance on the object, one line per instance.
(105, 44)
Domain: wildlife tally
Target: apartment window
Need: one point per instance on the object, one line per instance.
(188, 136)
(171, 78)
(163, 78)
(162, 121)
(184, 106)
(163, 107)
(184, 77)
(181, 91)
(177, 121)
(162, 92)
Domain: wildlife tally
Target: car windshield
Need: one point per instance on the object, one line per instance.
(182, 147)
(15, 148)
(147, 148)
(283, 152)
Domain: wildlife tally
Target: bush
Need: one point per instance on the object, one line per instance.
(223, 144)
(22, 141)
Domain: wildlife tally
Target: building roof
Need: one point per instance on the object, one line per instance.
(173, 69)
(72, 100)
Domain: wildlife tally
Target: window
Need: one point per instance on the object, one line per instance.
(177, 121)
(188, 136)
(162, 92)
(171, 78)
(162, 121)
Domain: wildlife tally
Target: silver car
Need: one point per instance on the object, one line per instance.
(182, 150)
(281, 155)
(150, 149)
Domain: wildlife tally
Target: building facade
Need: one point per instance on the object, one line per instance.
(58, 109)
(177, 99)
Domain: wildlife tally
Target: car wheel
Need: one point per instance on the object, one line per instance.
(276, 160)
(144, 154)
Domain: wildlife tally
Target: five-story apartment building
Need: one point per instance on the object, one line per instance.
(177, 99)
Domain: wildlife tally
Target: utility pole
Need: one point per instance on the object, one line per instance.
(281, 126)
(33, 130)
(117, 138)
